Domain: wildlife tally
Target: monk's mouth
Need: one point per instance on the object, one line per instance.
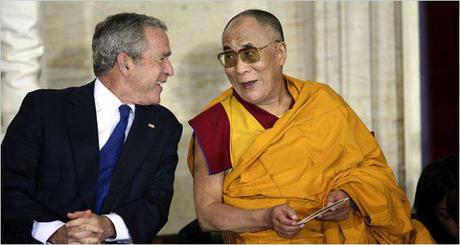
(248, 84)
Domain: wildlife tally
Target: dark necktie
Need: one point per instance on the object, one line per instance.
(109, 155)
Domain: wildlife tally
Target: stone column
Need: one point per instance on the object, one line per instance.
(412, 104)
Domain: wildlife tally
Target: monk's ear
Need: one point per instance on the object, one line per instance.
(124, 63)
(282, 53)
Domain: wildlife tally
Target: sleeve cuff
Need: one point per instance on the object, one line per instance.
(42, 231)
(122, 232)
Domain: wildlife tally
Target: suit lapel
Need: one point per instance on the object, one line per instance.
(83, 132)
(142, 136)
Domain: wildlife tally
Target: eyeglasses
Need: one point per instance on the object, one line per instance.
(248, 55)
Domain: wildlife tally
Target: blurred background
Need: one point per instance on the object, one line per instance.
(395, 63)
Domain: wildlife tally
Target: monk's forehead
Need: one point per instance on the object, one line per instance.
(246, 28)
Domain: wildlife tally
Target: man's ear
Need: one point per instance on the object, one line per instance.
(124, 63)
(282, 53)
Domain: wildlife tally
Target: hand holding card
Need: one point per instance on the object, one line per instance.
(322, 211)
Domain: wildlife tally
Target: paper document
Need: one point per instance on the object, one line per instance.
(322, 211)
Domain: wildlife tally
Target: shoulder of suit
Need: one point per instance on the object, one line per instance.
(164, 112)
(63, 91)
(44, 95)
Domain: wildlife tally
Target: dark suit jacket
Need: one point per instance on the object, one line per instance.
(50, 160)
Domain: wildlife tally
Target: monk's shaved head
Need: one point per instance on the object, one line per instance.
(264, 18)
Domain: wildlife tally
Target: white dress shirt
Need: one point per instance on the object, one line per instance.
(108, 115)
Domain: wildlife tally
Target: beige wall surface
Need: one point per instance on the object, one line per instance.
(355, 47)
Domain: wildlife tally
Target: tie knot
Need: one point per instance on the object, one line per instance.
(124, 111)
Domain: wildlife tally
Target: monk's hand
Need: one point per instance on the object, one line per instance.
(340, 212)
(284, 221)
(90, 228)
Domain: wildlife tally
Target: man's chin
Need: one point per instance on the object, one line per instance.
(155, 101)
(148, 102)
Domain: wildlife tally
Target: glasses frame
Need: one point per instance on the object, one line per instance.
(241, 50)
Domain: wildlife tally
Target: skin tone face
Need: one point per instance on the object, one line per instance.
(143, 79)
(446, 220)
(260, 83)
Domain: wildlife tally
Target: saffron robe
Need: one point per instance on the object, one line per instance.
(318, 145)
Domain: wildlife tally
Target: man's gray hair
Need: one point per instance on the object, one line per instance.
(119, 33)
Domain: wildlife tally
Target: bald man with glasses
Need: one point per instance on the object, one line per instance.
(273, 149)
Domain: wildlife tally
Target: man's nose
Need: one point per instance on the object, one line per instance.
(168, 68)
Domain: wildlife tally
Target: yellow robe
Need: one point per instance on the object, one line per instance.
(318, 145)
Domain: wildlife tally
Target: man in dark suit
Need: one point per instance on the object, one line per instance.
(96, 163)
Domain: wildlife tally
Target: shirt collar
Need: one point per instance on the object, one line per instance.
(105, 99)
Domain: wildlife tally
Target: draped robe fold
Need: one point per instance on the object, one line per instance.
(318, 145)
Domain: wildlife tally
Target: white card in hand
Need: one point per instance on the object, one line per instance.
(322, 211)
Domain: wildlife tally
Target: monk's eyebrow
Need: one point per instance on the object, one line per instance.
(247, 45)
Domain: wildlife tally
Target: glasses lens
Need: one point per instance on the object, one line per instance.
(220, 57)
(250, 55)
(229, 59)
